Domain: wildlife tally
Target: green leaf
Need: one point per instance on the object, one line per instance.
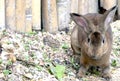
(46, 58)
(9, 62)
(26, 46)
(1, 61)
(6, 72)
(96, 72)
(65, 46)
(33, 56)
(114, 63)
(27, 57)
(32, 33)
(58, 71)
(4, 32)
(39, 68)
(115, 52)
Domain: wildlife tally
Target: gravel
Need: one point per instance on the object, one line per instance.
(27, 56)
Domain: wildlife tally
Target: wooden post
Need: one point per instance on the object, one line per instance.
(10, 14)
(74, 6)
(36, 14)
(93, 6)
(88, 6)
(119, 9)
(101, 3)
(20, 15)
(2, 14)
(28, 26)
(83, 6)
(107, 4)
(49, 15)
(63, 8)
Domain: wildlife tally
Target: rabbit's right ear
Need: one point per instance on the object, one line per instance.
(80, 21)
(109, 16)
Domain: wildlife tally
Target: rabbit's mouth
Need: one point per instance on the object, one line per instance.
(95, 57)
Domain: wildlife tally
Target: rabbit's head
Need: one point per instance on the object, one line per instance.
(94, 33)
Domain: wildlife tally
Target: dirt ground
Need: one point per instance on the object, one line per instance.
(47, 57)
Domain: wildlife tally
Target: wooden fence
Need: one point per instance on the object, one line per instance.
(49, 15)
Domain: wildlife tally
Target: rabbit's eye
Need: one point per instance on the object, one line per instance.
(103, 41)
(88, 40)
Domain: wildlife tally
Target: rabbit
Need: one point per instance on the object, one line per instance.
(92, 39)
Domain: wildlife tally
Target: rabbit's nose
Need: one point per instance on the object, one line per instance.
(93, 57)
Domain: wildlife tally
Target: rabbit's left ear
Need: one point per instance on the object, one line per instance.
(108, 17)
(81, 21)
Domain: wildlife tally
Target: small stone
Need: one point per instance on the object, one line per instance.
(1, 75)
(41, 62)
(12, 57)
(28, 75)
(50, 41)
(39, 55)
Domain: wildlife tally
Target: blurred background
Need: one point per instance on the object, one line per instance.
(48, 15)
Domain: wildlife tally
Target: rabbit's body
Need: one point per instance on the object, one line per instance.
(78, 37)
(92, 39)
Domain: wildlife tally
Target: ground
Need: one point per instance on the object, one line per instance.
(47, 57)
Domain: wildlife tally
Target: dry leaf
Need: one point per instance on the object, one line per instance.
(12, 57)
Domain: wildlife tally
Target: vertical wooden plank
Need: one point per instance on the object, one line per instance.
(94, 7)
(45, 17)
(74, 6)
(53, 16)
(118, 9)
(101, 3)
(49, 14)
(28, 26)
(63, 8)
(88, 6)
(36, 14)
(107, 4)
(20, 15)
(10, 14)
(83, 7)
(2, 14)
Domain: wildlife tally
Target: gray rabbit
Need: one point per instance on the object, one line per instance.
(92, 39)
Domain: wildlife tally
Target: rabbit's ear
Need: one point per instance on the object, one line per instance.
(80, 21)
(108, 17)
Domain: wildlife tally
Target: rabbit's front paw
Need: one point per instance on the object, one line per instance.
(81, 72)
(107, 77)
